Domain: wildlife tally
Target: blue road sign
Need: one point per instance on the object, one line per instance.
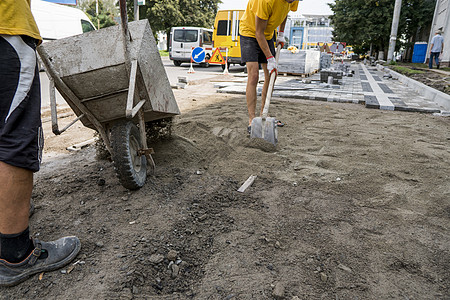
(198, 54)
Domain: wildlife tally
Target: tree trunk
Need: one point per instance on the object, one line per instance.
(168, 39)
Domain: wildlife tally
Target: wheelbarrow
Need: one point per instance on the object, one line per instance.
(113, 79)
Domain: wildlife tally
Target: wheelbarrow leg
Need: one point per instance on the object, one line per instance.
(147, 152)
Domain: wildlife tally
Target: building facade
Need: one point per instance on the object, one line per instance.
(441, 21)
(308, 31)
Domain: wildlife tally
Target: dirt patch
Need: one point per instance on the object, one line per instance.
(438, 81)
(353, 203)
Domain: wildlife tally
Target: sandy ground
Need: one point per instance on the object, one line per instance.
(353, 204)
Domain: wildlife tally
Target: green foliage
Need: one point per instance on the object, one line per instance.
(106, 11)
(392, 63)
(163, 53)
(164, 14)
(364, 22)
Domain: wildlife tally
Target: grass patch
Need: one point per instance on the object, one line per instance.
(413, 65)
(406, 70)
(163, 53)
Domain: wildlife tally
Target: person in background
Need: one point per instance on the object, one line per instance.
(21, 142)
(437, 47)
(256, 30)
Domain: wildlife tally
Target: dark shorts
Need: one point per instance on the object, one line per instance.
(21, 138)
(251, 52)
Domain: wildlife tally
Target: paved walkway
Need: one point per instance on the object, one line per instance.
(368, 86)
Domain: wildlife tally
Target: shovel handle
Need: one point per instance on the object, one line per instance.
(273, 76)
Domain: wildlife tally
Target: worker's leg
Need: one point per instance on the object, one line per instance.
(430, 63)
(15, 193)
(437, 59)
(265, 86)
(21, 143)
(252, 82)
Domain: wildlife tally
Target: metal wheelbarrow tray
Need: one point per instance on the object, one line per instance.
(113, 83)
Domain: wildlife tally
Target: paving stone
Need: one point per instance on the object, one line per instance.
(376, 78)
(366, 87)
(385, 88)
(357, 89)
(371, 102)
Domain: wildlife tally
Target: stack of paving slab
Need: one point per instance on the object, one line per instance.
(325, 60)
(302, 62)
(342, 67)
(336, 74)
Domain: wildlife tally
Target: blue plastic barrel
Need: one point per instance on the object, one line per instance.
(419, 52)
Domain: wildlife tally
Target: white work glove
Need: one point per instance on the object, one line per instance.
(280, 39)
(272, 65)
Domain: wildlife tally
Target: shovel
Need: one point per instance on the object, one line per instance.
(266, 127)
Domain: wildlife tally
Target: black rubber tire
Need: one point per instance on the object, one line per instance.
(223, 67)
(130, 168)
(206, 64)
(177, 63)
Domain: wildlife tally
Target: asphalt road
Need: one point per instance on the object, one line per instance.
(199, 72)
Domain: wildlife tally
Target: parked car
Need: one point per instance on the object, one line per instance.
(57, 21)
(183, 39)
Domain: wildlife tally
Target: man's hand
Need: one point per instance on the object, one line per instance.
(280, 39)
(272, 65)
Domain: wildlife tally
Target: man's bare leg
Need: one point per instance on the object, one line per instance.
(15, 193)
(265, 86)
(252, 82)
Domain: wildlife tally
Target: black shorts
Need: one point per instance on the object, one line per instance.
(21, 138)
(251, 52)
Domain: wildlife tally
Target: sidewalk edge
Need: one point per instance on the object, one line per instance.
(424, 90)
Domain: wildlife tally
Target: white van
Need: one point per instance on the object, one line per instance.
(183, 39)
(57, 21)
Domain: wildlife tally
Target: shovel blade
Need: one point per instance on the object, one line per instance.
(257, 128)
(270, 132)
(265, 129)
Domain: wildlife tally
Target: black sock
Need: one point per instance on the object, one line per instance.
(15, 247)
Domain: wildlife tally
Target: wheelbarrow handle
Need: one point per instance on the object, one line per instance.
(124, 17)
(126, 36)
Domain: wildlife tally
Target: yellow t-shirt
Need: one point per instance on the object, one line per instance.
(16, 19)
(274, 11)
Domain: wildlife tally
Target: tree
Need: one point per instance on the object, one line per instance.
(361, 23)
(164, 14)
(106, 11)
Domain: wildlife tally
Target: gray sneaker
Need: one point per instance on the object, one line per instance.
(45, 257)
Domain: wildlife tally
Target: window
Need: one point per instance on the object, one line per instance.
(207, 37)
(222, 27)
(185, 35)
(86, 26)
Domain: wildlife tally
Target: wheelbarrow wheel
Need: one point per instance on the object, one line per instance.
(130, 167)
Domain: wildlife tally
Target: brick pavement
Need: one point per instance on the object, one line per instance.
(367, 86)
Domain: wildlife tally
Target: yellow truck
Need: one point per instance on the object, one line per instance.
(226, 35)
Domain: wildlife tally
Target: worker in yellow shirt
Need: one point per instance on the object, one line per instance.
(256, 30)
(21, 142)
